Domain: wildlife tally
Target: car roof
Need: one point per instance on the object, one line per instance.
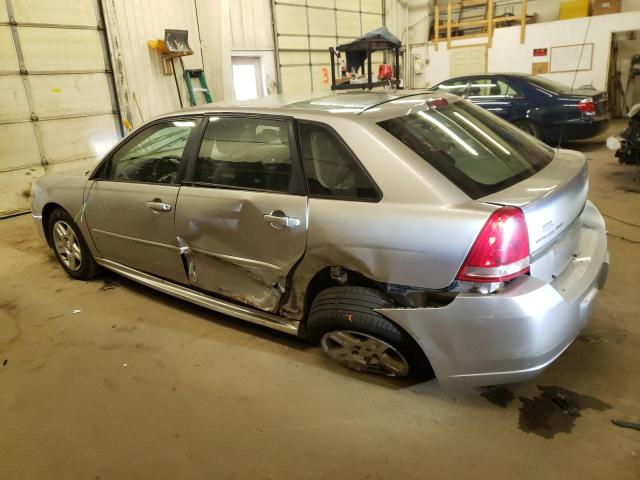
(348, 103)
(495, 74)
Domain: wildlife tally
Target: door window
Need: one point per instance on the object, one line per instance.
(491, 87)
(154, 155)
(247, 79)
(251, 153)
(455, 87)
(330, 168)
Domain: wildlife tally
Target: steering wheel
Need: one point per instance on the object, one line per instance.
(168, 178)
(166, 164)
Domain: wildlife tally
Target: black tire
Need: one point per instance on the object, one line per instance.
(88, 268)
(532, 128)
(349, 308)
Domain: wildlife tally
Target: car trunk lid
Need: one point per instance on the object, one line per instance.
(552, 201)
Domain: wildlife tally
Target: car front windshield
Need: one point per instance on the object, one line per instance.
(477, 151)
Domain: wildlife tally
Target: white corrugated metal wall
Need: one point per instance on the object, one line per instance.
(252, 36)
(305, 29)
(143, 89)
(57, 111)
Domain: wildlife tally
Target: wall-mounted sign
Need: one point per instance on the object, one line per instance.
(417, 63)
(539, 68)
(540, 52)
(325, 75)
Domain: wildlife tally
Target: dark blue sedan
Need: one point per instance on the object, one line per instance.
(548, 110)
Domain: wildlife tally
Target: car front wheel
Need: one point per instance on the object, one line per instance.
(69, 246)
(344, 321)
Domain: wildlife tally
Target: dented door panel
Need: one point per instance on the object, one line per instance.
(236, 251)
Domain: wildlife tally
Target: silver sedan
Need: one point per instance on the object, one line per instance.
(408, 233)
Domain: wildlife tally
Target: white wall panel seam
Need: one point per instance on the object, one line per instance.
(23, 71)
(106, 55)
(115, 50)
(53, 162)
(52, 25)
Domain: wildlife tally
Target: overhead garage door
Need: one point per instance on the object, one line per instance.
(57, 108)
(306, 29)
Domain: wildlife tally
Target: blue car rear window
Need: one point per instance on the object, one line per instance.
(477, 151)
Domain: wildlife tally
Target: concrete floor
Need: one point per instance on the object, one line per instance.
(139, 385)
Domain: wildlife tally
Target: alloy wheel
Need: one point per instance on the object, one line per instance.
(67, 245)
(364, 353)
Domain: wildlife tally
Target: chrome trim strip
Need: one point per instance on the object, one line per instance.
(500, 271)
(245, 262)
(244, 313)
(133, 239)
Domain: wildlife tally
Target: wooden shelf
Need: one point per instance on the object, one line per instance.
(487, 25)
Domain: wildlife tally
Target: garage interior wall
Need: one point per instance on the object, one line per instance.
(507, 54)
(238, 28)
(305, 29)
(73, 82)
(57, 105)
(144, 90)
(244, 28)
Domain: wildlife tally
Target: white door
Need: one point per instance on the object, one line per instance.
(467, 60)
(57, 111)
(247, 78)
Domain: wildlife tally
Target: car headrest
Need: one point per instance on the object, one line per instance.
(333, 171)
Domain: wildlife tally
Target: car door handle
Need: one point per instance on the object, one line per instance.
(278, 219)
(159, 205)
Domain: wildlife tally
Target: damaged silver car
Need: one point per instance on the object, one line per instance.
(405, 233)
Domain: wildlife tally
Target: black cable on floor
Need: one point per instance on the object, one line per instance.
(622, 238)
(620, 220)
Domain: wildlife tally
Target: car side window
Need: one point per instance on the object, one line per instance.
(455, 87)
(245, 152)
(491, 87)
(330, 167)
(153, 155)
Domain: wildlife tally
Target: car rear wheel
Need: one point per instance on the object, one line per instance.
(69, 246)
(344, 321)
(530, 127)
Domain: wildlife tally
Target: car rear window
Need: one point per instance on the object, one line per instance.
(550, 85)
(477, 151)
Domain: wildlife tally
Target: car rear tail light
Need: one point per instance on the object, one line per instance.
(501, 251)
(436, 102)
(587, 105)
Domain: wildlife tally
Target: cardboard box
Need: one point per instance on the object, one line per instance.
(574, 9)
(539, 68)
(602, 7)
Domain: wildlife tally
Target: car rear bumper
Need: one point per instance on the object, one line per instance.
(513, 335)
(578, 129)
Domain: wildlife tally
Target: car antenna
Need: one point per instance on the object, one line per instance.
(575, 76)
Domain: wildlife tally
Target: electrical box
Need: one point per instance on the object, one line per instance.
(417, 63)
(574, 9)
(602, 7)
